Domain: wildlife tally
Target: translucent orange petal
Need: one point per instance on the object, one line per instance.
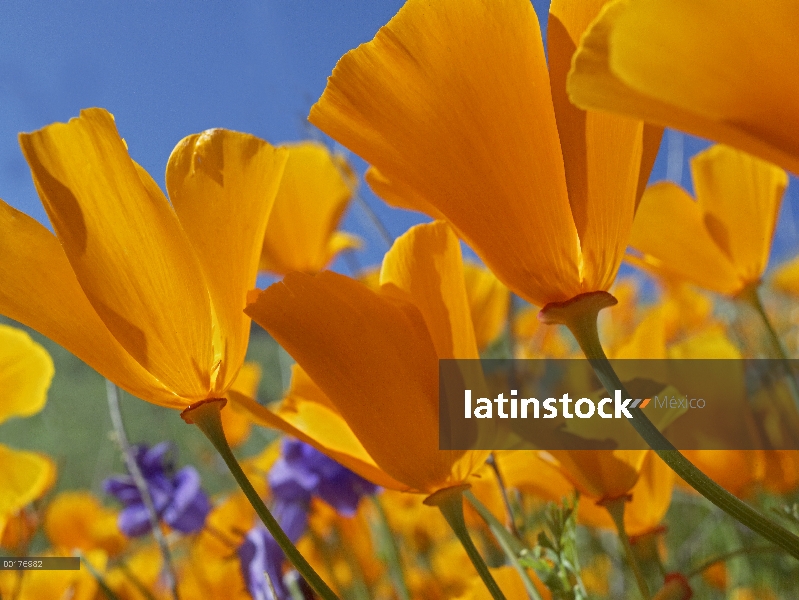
(602, 154)
(314, 193)
(25, 476)
(222, 185)
(424, 266)
(670, 63)
(126, 247)
(26, 371)
(451, 101)
(488, 303)
(399, 196)
(670, 227)
(324, 429)
(77, 520)
(601, 474)
(40, 290)
(740, 196)
(373, 358)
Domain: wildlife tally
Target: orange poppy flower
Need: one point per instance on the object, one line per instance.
(453, 105)
(148, 292)
(716, 69)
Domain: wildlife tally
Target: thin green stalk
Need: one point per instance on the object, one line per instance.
(616, 509)
(727, 556)
(379, 225)
(450, 502)
(749, 295)
(136, 582)
(107, 591)
(492, 462)
(510, 545)
(112, 394)
(580, 316)
(391, 551)
(207, 416)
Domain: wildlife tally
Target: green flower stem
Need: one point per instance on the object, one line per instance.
(580, 316)
(101, 583)
(207, 416)
(616, 509)
(112, 394)
(492, 462)
(729, 555)
(749, 295)
(450, 502)
(510, 545)
(391, 551)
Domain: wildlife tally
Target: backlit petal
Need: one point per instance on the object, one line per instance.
(451, 100)
(715, 69)
(488, 303)
(740, 196)
(40, 290)
(323, 428)
(222, 185)
(601, 474)
(25, 476)
(314, 192)
(398, 195)
(26, 371)
(601, 153)
(670, 227)
(126, 247)
(373, 358)
(426, 267)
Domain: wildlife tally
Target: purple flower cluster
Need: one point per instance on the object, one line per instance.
(177, 497)
(300, 474)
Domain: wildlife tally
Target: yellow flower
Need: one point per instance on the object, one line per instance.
(149, 293)
(26, 371)
(716, 69)
(453, 105)
(372, 358)
(488, 301)
(77, 520)
(722, 240)
(36, 585)
(314, 193)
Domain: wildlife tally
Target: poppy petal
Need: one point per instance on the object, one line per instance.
(26, 371)
(601, 153)
(373, 358)
(223, 184)
(25, 476)
(670, 63)
(740, 196)
(451, 101)
(425, 266)
(126, 247)
(670, 227)
(314, 192)
(40, 290)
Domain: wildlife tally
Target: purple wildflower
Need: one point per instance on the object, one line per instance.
(177, 497)
(301, 473)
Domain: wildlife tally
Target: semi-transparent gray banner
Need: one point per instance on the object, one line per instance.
(550, 404)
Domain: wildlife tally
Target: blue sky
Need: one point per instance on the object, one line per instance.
(168, 69)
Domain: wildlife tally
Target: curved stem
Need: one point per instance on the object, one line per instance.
(727, 556)
(391, 551)
(510, 545)
(450, 502)
(112, 394)
(580, 316)
(206, 415)
(616, 509)
(492, 462)
(750, 296)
